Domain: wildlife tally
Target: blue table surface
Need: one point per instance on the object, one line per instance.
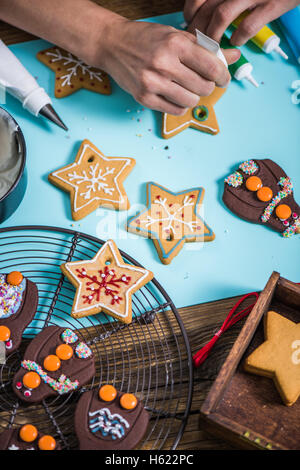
(254, 123)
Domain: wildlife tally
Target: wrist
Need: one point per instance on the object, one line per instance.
(102, 35)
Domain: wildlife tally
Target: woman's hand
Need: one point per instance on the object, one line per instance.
(213, 17)
(163, 68)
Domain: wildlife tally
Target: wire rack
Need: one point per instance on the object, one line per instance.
(150, 357)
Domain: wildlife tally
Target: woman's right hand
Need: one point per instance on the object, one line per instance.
(162, 67)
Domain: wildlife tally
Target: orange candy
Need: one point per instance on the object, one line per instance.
(47, 443)
(31, 380)
(107, 393)
(253, 183)
(264, 194)
(4, 333)
(64, 352)
(128, 401)
(14, 278)
(28, 433)
(52, 363)
(283, 212)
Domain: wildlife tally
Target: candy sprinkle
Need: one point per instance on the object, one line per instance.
(235, 179)
(249, 167)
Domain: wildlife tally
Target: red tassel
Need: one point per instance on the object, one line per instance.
(230, 320)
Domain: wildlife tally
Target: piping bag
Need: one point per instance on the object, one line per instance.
(210, 45)
(18, 82)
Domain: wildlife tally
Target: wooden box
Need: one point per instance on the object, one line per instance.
(244, 408)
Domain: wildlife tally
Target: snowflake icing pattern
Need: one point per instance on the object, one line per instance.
(78, 65)
(108, 283)
(96, 177)
(172, 218)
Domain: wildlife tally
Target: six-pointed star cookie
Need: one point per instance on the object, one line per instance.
(72, 73)
(94, 180)
(201, 117)
(171, 219)
(279, 356)
(105, 283)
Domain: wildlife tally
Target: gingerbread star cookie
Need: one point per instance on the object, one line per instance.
(72, 73)
(171, 219)
(105, 283)
(201, 117)
(94, 180)
(279, 356)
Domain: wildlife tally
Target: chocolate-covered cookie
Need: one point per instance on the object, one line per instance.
(18, 304)
(56, 362)
(261, 192)
(27, 437)
(106, 419)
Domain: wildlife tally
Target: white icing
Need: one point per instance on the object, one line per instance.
(10, 160)
(105, 421)
(171, 218)
(74, 180)
(185, 124)
(75, 66)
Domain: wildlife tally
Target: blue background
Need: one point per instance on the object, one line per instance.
(254, 123)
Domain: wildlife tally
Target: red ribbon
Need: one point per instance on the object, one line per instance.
(230, 320)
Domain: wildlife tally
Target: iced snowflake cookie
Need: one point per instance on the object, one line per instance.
(71, 73)
(18, 304)
(94, 180)
(106, 419)
(278, 357)
(105, 283)
(259, 191)
(171, 219)
(27, 437)
(56, 362)
(201, 117)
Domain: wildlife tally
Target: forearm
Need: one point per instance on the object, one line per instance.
(75, 25)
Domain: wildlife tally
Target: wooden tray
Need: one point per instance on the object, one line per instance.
(246, 409)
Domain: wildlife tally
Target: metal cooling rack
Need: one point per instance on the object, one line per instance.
(150, 357)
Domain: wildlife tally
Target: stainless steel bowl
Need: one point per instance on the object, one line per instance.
(10, 201)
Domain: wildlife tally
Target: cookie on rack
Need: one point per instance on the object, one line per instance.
(171, 219)
(94, 180)
(105, 283)
(107, 419)
(279, 356)
(71, 73)
(56, 362)
(27, 437)
(260, 191)
(201, 117)
(18, 304)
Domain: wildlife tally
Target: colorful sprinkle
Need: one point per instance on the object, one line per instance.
(291, 230)
(287, 186)
(235, 179)
(61, 386)
(10, 297)
(69, 337)
(83, 351)
(249, 167)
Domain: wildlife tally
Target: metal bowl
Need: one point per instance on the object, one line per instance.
(11, 200)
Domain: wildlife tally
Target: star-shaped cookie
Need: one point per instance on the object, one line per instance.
(279, 356)
(171, 219)
(72, 73)
(94, 180)
(201, 117)
(105, 283)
